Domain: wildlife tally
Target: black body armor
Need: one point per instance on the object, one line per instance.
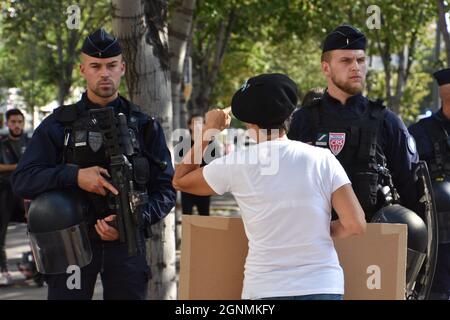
(355, 144)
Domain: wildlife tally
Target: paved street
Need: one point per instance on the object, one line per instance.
(17, 243)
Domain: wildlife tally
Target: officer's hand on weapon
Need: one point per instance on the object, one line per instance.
(91, 180)
(218, 119)
(105, 230)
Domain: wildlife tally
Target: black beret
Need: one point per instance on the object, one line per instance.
(266, 100)
(442, 76)
(345, 37)
(100, 44)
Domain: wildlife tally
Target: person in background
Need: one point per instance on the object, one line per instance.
(12, 148)
(188, 201)
(433, 145)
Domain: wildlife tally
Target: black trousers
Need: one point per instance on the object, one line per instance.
(123, 277)
(188, 201)
(441, 281)
(11, 209)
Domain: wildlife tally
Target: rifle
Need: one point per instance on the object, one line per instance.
(129, 178)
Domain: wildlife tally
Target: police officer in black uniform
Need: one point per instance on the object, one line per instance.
(371, 142)
(433, 145)
(376, 150)
(67, 151)
(12, 148)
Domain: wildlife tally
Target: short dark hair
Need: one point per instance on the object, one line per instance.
(194, 115)
(280, 127)
(13, 112)
(326, 56)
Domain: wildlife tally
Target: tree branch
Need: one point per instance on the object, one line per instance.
(442, 23)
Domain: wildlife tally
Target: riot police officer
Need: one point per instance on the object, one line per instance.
(375, 149)
(371, 142)
(68, 150)
(433, 145)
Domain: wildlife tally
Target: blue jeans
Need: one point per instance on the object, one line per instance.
(321, 296)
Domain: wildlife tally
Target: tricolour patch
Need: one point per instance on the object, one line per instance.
(95, 140)
(336, 142)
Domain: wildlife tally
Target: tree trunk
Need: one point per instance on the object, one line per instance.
(401, 82)
(61, 95)
(179, 33)
(187, 91)
(66, 56)
(437, 51)
(142, 30)
(442, 23)
(406, 58)
(386, 59)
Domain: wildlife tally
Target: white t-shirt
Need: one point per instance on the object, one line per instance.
(283, 189)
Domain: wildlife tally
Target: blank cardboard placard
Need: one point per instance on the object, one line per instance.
(375, 264)
(213, 251)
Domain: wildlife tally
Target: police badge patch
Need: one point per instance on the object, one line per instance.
(95, 140)
(336, 142)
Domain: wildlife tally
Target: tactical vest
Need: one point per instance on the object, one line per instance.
(439, 165)
(84, 145)
(439, 168)
(8, 155)
(355, 144)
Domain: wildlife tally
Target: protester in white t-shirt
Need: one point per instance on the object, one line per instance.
(285, 190)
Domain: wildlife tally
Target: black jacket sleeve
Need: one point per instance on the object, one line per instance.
(39, 170)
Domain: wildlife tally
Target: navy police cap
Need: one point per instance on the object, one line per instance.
(442, 76)
(100, 44)
(344, 37)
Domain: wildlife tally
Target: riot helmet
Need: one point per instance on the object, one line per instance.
(58, 230)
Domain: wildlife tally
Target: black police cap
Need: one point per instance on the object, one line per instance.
(100, 44)
(266, 100)
(442, 76)
(344, 37)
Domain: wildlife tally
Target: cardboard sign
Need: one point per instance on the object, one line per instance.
(213, 252)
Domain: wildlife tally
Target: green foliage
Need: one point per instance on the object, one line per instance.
(299, 59)
(266, 36)
(418, 88)
(285, 36)
(40, 52)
